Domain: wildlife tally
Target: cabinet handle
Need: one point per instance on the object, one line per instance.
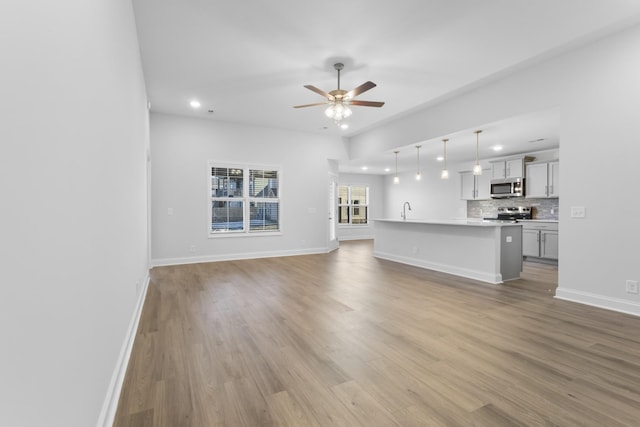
(551, 190)
(546, 190)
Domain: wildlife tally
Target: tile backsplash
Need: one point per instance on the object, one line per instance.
(541, 208)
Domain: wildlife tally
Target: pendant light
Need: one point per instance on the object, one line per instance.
(477, 169)
(445, 173)
(395, 178)
(418, 163)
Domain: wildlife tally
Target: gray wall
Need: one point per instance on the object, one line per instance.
(73, 223)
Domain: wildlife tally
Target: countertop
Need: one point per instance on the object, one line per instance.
(472, 222)
(538, 220)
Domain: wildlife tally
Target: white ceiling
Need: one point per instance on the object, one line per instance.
(248, 61)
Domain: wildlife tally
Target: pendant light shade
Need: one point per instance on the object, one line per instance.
(395, 178)
(477, 169)
(418, 163)
(445, 173)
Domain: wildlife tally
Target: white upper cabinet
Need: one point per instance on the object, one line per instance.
(542, 180)
(498, 169)
(508, 168)
(475, 187)
(483, 185)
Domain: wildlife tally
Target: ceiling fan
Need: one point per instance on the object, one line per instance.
(339, 100)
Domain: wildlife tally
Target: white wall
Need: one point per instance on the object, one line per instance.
(181, 149)
(430, 198)
(596, 90)
(376, 203)
(73, 223)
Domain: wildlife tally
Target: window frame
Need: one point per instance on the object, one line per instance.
(350, 205)
(246, 199)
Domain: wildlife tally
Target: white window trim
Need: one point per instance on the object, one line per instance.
(245, 198)
(350, 205)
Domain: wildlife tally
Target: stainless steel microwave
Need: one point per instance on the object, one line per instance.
(510, 187)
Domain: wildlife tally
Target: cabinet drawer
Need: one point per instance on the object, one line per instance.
(552, 226)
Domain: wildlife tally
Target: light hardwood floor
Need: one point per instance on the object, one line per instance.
(348, 340)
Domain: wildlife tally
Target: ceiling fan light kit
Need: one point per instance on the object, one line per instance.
(339, 100)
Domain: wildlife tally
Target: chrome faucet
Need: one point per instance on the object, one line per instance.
(404, 210)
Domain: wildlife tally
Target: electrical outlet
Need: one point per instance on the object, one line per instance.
(414, 250)
(192, 248)
(578, 212)
(509, 239)
(632, 286)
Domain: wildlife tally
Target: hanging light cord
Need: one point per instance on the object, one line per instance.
(445, 153)
(396, 162)
(477, 143)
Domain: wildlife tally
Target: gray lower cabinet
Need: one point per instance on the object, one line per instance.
(540, 239)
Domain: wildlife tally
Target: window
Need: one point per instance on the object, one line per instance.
(353, 205)
(244, 200)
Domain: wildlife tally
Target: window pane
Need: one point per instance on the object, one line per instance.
(359, 215)
(264, 216)
(343, 215)
(359, 195)
(227, 216)
(226, 182)
(263, 183)
(343, 195)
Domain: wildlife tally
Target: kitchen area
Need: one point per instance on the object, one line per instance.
(510, 214)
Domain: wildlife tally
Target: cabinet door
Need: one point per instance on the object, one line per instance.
(483, 185)
(554, 182)
(514, 168)
(531, 243)
(549, 244)
(468, 187)
(536, 180)
(498, 170)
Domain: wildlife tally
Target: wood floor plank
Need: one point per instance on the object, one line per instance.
(345, 339)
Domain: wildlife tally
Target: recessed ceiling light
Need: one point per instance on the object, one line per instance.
(387, 169)
(195, 103)
(497, 148)
(439, 158)
(344, 126)
(364, 168)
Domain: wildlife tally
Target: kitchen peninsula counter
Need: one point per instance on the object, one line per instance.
(488, 251)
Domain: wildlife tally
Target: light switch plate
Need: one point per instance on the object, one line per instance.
(578, 212)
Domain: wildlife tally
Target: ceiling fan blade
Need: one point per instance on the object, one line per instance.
(310, 105)
(319, 91)
(366, 103)
(360, 89)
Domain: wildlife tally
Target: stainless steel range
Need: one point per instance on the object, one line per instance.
(511, 214)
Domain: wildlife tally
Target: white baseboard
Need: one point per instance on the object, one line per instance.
(364, 237)
(444, 268)
(601, 301)
(235, 257)
(110, 405)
